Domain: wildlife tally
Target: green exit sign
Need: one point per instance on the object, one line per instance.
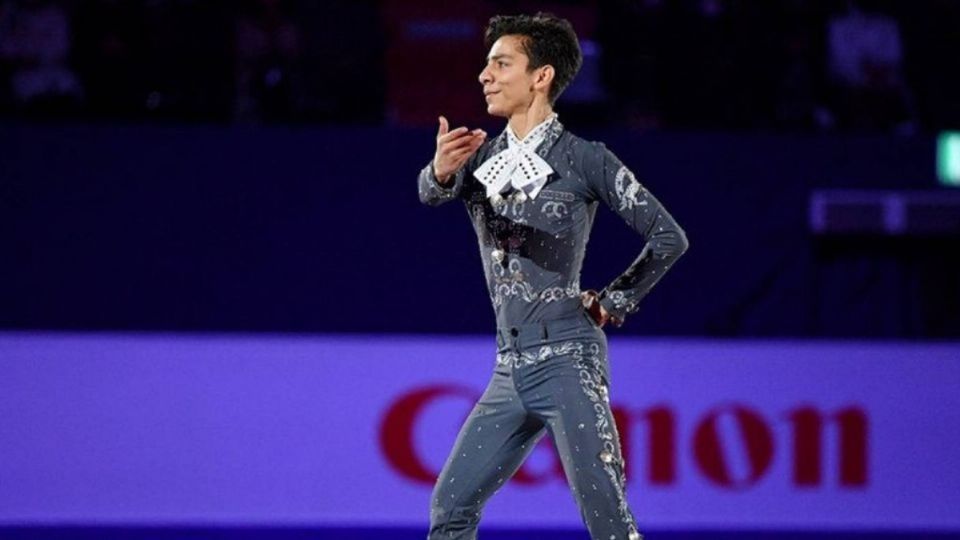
(948, 158)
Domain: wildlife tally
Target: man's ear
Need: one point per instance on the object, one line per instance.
(544, 77)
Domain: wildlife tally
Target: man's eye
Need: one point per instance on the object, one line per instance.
(502, 64)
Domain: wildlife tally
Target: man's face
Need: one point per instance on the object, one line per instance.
(507, 86)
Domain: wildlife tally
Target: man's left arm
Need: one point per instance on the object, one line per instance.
(614, 184)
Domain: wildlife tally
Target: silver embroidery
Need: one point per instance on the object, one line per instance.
(511, 209)
(549, 194)
(554, 130)
(620, 301)
(552, 294)
(509, 281)
(513, 284)
(554, 209)
(591, 383)
(628, 189)
(524, 358)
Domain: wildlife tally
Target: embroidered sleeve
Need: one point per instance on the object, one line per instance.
(613, 183)
(432, 192)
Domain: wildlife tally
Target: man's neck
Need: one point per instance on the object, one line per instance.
(522, 122)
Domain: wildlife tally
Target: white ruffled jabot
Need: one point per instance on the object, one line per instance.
(518, 166)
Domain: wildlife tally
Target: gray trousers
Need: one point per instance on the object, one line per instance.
(554, 377)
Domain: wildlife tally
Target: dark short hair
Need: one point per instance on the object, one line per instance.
(546, 39)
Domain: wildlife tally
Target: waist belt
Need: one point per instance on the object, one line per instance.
(525, 335)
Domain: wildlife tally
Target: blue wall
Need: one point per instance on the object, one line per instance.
(320, 230)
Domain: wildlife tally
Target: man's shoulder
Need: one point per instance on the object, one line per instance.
(576, 142)
(580, 148)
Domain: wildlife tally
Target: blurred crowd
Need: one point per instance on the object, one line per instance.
(785, 65)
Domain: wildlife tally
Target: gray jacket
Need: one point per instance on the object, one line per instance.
(533, 249)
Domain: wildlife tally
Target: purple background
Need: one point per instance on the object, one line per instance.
(284, 431)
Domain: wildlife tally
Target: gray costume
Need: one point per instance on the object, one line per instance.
(551, 372)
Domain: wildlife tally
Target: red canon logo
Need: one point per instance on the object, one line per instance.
(806, 424)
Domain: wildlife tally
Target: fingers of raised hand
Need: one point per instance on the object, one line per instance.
(471, 140)
(462, 154)
(458, 155)
(459, 134)
(452, 135)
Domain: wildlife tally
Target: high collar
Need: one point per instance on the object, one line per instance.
(552, 131)
(534, 136)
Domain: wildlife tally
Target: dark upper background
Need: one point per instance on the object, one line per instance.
(249, 166)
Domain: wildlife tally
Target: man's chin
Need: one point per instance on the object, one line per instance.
(496, 111)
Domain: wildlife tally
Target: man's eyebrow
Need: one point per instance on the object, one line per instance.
(499, 56)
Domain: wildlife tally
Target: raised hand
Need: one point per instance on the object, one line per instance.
(454, 148)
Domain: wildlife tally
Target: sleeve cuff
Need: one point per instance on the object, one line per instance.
(451, 183)
(617, 313)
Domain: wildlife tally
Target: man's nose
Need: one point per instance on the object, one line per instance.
(484, 76)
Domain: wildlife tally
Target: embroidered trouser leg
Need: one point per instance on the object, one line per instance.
(554, 378)
(571, 393)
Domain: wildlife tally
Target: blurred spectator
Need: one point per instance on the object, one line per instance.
(269, 84)
(673, 64)
(35, 40)
(865, 64)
